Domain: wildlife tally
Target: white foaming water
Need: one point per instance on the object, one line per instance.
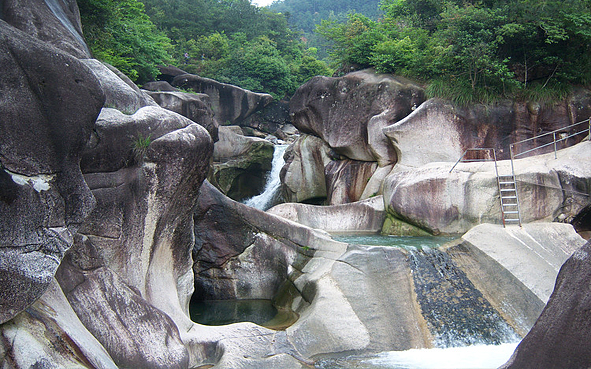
(469, 357)
(264, 200)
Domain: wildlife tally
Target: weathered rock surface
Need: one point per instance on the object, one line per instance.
(559, 337)
(516, 267)
(48, 104)
(230, 103)
(439, 131)
(271, 120)
(193, 106)
(346, 180)
(52, 21)
(363, 216)
(438, 201)
(302, 176)
(341, 111)
(241, 163)
(120, 92)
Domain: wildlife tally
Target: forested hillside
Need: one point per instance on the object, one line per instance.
(468, 51)
(472, 51)
(304, 15)
(231, 41)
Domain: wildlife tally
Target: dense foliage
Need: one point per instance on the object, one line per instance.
(231, 41)
(473, 50)
(120, 33)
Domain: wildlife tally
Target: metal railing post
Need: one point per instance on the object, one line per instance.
(554, 138)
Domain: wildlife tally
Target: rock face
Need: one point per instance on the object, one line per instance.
(340, 111)
(440, 131)
(241, 163)
(302, 176)
(193, 106)
(346, 180)
(48, 104)
(558, 339)
(231, 104)
(321, 280)
(348, 114)
(439, 201)
(121, 93)
(52, 21)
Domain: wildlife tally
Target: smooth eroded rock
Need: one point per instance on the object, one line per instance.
(341, 111)
(48, 104)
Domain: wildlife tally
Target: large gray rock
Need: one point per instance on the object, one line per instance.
(363, 216)
(48, 335)
(230, 103)
(440, 131)
(302, 176)
(143, 218)
(120, 92)
(439, 201)
(559, 337)
(342, 112)
(48, 104)
(193, 106)
(54, 22)
(516, 267)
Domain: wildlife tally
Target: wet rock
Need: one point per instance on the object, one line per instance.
(516, 267)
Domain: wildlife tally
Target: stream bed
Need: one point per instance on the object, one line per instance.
(468, 332)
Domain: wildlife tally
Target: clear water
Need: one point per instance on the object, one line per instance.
(265, 200)
(232, 311)
(470, 357)
(406, 242)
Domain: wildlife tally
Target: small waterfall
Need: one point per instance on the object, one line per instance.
(456, 312)
(265, 200)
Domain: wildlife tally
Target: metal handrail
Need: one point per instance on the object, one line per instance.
(554, 142)
(461, 159)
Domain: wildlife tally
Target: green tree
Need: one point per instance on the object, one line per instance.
(120, 33)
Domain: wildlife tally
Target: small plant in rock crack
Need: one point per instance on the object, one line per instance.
(139, 147)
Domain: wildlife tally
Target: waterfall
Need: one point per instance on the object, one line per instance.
(265, 200)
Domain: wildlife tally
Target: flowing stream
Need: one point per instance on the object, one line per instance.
(266, 199)
(468, 332)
